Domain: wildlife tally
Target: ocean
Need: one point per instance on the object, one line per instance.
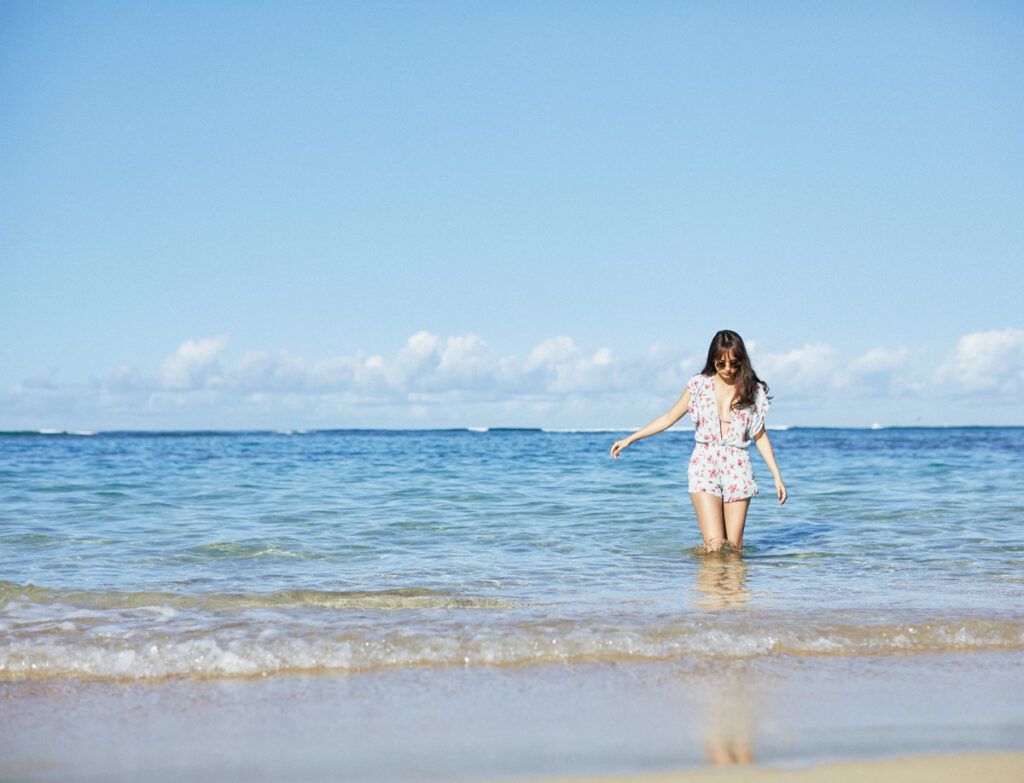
(129, 559)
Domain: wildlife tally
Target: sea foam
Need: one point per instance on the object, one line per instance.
(242, 639)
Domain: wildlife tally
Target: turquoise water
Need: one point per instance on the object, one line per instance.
(133, 556)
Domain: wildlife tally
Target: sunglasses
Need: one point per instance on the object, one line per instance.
(721, 364)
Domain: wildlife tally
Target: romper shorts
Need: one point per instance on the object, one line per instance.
(723, 471)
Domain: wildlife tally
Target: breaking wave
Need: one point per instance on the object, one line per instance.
(134, 636)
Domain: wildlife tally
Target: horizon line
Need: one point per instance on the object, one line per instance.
(53, 432)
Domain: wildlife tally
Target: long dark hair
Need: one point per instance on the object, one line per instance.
(746, 379)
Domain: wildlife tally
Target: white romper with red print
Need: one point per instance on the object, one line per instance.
(720, 464)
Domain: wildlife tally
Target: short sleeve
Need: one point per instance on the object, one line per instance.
(693, 386)
(760, 412)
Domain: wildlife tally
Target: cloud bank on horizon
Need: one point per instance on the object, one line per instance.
(434, 381)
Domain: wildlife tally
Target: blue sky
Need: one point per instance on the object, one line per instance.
(233, 215)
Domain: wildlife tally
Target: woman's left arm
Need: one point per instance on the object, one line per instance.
(765, 447)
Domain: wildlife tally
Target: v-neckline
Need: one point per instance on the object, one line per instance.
(718, 413)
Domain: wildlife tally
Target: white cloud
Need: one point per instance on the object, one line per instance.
(193, 364)
(556, 366)
(559, 366)
(805, 370)
(465, 363)
(264, 371)
(459, 380)
(426, 363)
(553, 352)
(420, 355)
(442, 368)
(879, 368)
(878, 360)
(817, 370)
(990, 361)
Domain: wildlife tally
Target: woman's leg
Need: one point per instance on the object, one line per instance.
(735, 518)
(710, 518)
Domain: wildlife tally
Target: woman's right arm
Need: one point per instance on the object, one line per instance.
(663, 422)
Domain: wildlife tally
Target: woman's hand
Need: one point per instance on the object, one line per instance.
(618, 446)
(780, 490)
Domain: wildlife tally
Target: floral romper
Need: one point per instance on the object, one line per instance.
(720, 464)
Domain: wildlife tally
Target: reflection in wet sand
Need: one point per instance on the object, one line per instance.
(729, 723)
(728, 737)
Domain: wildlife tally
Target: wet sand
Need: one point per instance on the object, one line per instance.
(1004, 767)
(802, 718)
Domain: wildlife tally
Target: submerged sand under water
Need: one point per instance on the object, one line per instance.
(516, 722)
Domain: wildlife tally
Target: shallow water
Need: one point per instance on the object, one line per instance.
(133, 556)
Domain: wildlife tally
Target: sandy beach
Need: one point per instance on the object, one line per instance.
(1006, 767)
(859, 718)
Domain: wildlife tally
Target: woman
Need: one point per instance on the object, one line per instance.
(728, 403)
